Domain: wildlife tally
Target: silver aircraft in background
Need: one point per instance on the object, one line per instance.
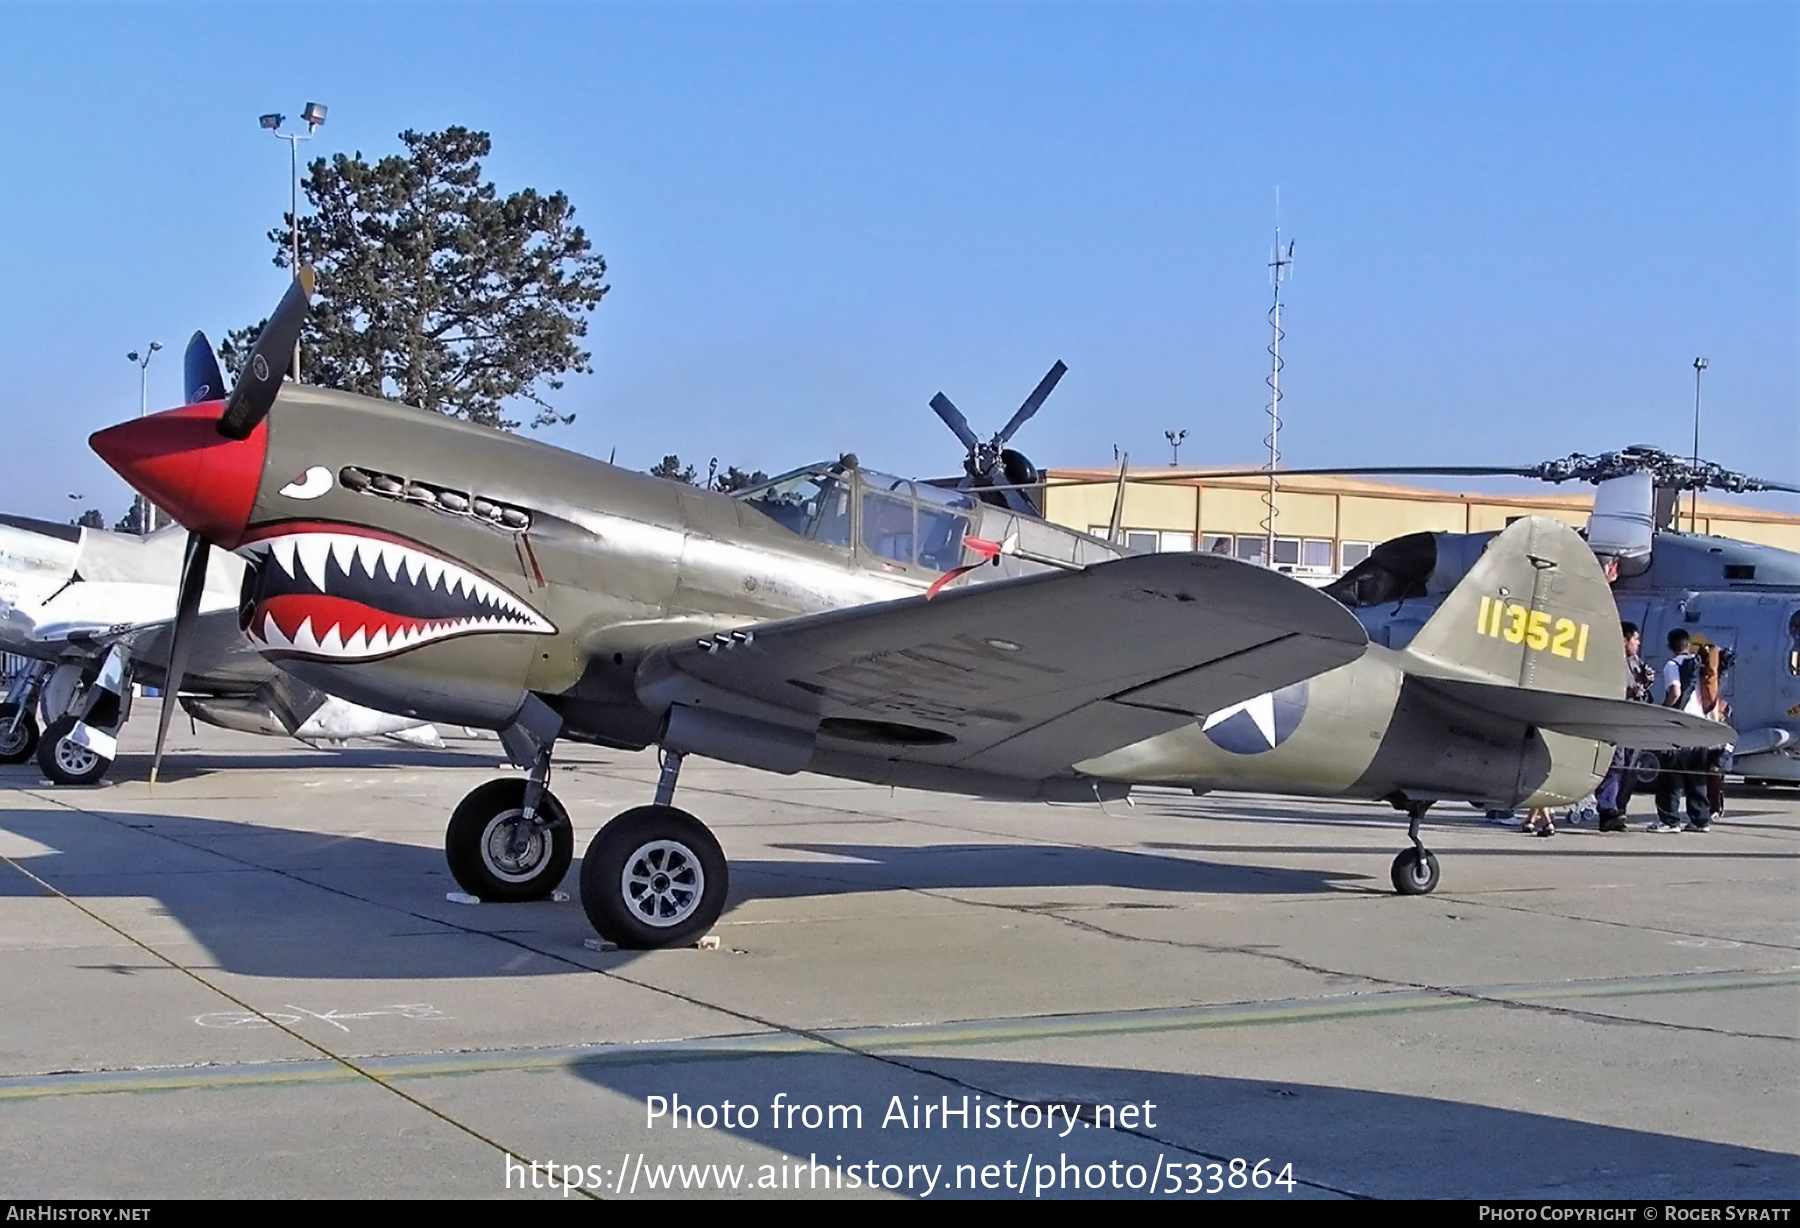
(92, 610)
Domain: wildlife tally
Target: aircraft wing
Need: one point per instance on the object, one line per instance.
(222, 658)
(1018, 678)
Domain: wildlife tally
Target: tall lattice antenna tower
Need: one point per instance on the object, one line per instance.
(1280, 269)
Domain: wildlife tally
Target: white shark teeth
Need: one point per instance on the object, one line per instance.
(272, 633)
(282, 551)
(313, 550)
(303, 636)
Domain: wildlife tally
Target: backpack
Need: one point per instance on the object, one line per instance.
(1689, 700)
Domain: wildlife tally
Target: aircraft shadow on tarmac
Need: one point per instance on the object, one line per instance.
(270, 901)
(1339, 1140)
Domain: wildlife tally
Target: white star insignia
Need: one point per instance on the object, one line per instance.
(1261, 711)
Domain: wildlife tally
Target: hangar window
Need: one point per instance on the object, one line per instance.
(1352, 553)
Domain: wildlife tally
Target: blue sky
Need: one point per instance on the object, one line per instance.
(1516, 225)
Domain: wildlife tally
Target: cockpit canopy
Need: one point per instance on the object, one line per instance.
(884, 518)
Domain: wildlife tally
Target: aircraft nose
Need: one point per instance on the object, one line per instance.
(179, 461)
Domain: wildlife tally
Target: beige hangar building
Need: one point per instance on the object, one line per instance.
(1326, 525)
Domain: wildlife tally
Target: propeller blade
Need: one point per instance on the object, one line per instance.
(269, 357)
(1015, 497)
(200, 377)
(181, 640)
(954, 419)
(1032, 403)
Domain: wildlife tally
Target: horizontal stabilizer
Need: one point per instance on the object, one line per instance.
(1618, 722)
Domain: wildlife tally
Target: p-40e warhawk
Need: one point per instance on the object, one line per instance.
(834, 621)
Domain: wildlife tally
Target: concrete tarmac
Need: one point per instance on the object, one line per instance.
(248, 982)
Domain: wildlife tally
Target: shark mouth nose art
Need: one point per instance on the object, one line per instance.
(335, 593)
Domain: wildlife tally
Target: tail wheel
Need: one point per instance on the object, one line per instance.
(1415, 872)
(495, 855)
(654, 877)
(68, 762)
(17, 742)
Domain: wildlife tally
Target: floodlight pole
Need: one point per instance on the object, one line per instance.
(1694, 502)
(148, 521)
(314, 115)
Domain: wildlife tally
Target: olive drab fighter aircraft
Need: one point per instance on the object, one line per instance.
(835, 620)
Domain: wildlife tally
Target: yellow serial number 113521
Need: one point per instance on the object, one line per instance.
(1516, 624)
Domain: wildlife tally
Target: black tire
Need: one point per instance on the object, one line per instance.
(66, 762)
(1647, 767)
(477, 839)
(17, 748)
(1415, 872)
(654, 877)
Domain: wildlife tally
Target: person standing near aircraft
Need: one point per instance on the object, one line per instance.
(1682, 781)
(1614, 795)
(1714, 661)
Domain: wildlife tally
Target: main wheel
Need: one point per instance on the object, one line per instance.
(16, 746)
(67, 762)
(496, 856)
(1415, 872)
(653, 877)
(1647, 767)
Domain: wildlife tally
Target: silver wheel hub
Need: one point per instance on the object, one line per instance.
(512, 849)
(75, 759)
(663, 883)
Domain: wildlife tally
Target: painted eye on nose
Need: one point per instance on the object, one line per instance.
(309, 485)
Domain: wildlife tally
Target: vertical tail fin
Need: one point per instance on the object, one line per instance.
(1535, 611)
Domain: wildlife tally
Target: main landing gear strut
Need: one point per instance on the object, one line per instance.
(652, 877)
(1415, 870)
